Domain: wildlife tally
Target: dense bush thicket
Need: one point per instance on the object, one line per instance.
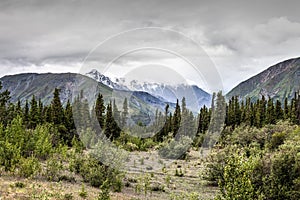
(257, 155)
(254, 163)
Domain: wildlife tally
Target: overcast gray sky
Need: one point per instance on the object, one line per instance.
(241, 38)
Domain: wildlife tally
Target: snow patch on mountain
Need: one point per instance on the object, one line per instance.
(94, 74)
(195, 96)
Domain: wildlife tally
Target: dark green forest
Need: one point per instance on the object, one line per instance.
(255, 157)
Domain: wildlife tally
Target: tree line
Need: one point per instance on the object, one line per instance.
(112, 121)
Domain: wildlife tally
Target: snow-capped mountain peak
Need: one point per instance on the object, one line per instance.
(94, 74)
(195, 96)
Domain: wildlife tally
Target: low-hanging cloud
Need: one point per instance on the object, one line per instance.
(240, 37)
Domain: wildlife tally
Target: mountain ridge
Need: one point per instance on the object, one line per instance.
(277, 81)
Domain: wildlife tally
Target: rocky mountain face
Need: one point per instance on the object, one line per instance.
(195, 96)
(278, 81)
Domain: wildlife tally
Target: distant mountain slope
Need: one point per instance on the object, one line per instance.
(195, 96)
(23, 86)
(278, 81)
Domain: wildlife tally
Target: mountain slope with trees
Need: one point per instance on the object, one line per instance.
(23, 86)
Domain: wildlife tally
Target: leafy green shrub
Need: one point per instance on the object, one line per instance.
(175, 149)
(16, 134)
(77, 145)
(104, 193)
(54, 167)
(157, 187)
(88, 137)
(68, 196)
(185, 195)
(283, 182)
(117, 183)
(66, 178)
(130, 147)
(147, 144)
(42, 140)
(19, 184)
(277, 140)
(250, 170)
(143, 184)
(244, 135)
(75, 162)
(238, 178)
(134, 143)
(9, 155)
(92, 171)
(29, 167)
(179, 172)
(83, 192)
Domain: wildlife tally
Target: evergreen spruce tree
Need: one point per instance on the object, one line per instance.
(69, 120)
(100, 110)
(243, 112)
(11, 112)
(203, 120)
(279, 115)
(77, 112)
(237, 111)
(270, 114)
(19, 110)
(165, 130)
(286, 108)
(252, 114)
(293, 109)
(33, 113)
(85, 114)
(184, 118)
(116, 112)
(125, 113)
(248, 115)
(4, 102)
(217, 120)
(112, 130)
(56, 108)
(191, 127)
(297, 102)
(261, 112)
(183, 105)
(218, 114)
(231, 112)
(57, 117)
(169, 124)
(257, 114)
(41, 111)
(176, 118)
(48, 114)
(26, 114)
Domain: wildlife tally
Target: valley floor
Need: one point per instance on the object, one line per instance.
(140, 182)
